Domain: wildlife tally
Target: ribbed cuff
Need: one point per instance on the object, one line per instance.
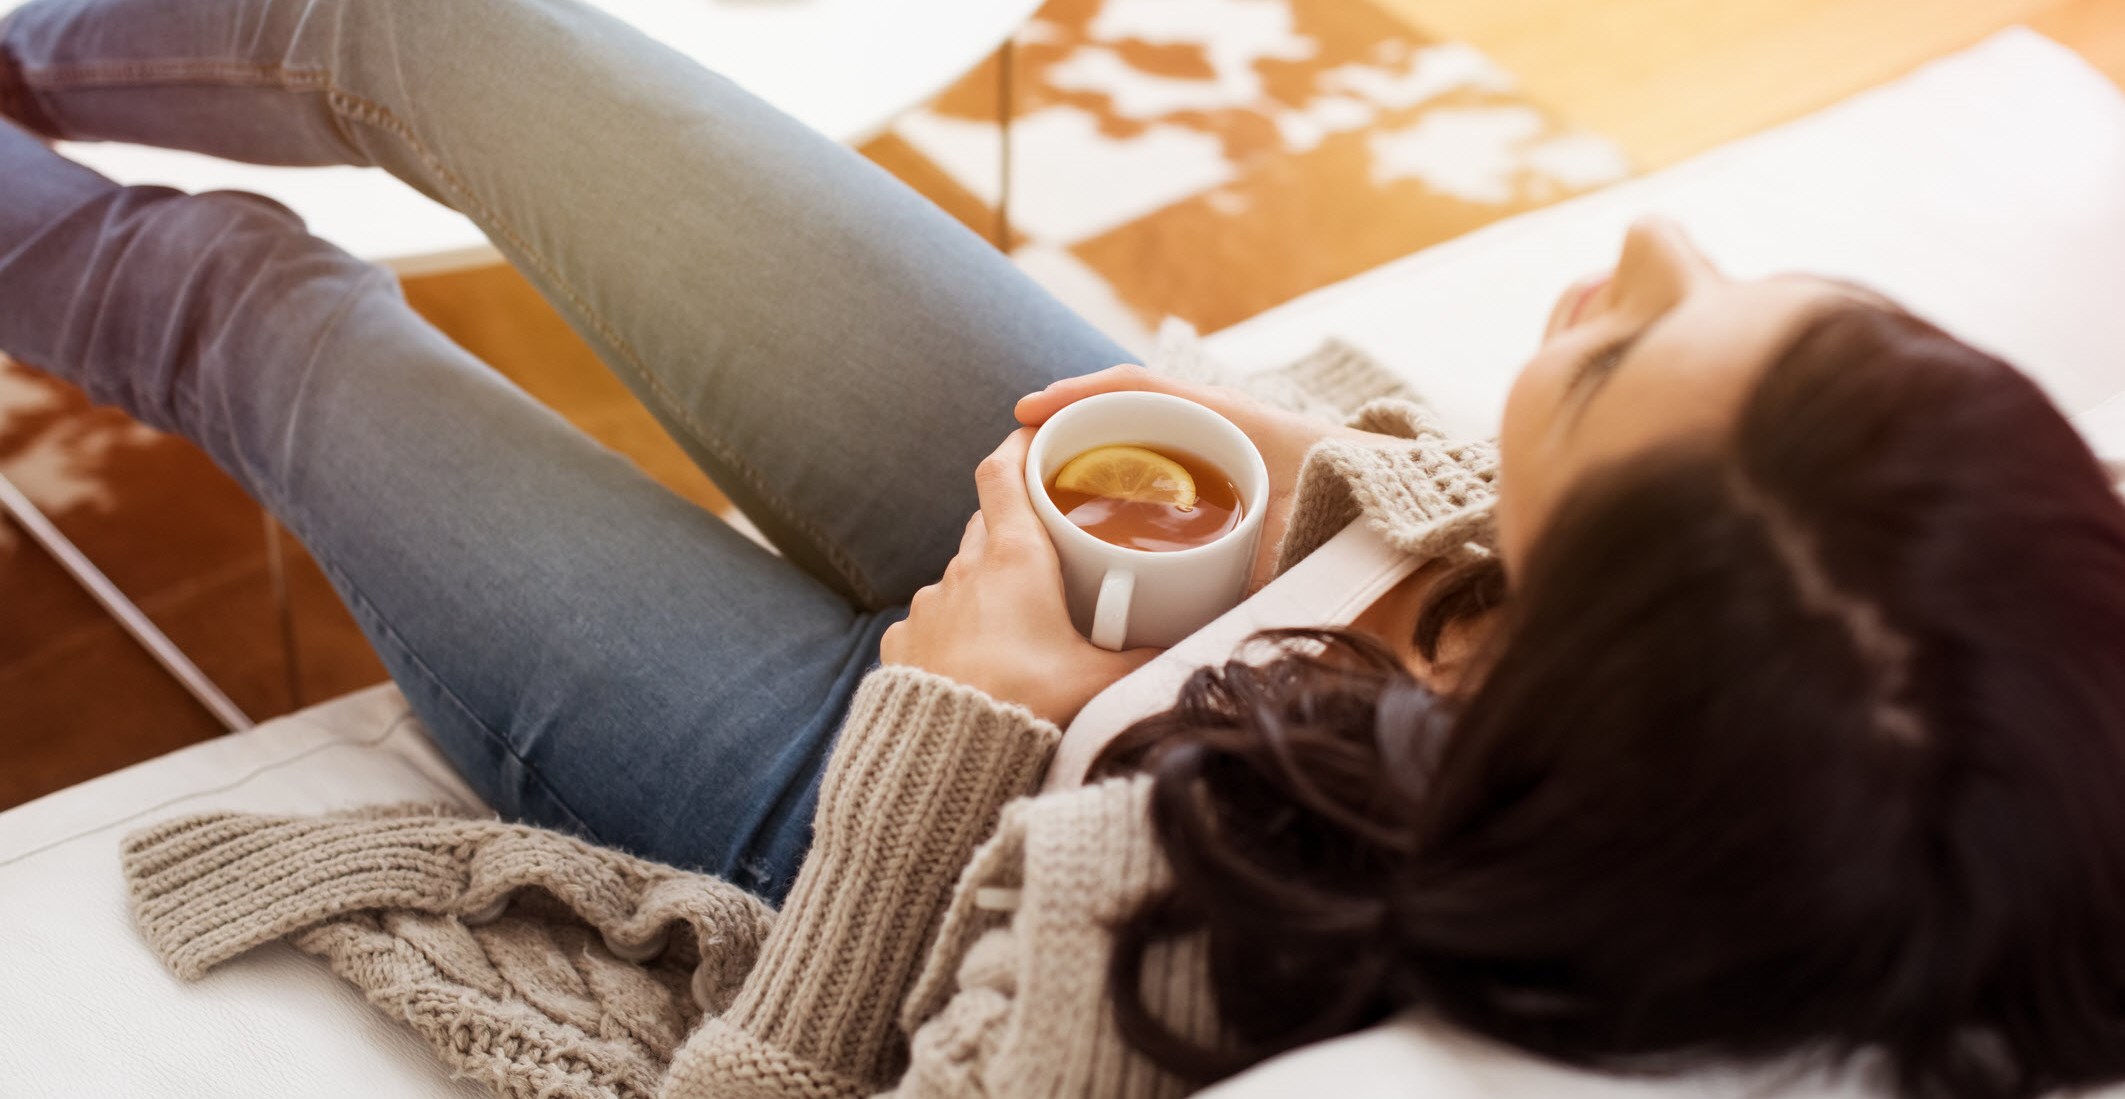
(207, 888)
(720, 1061)
(1428, 496)
(1404, 419)
(923, 768)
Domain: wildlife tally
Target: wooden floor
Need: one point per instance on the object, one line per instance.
(1671, 78)
(1664, 78)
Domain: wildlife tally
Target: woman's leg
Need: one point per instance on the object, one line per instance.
(593, 652)
(832, 349)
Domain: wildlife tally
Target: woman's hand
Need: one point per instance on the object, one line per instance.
(997, 621)
(1283, 437)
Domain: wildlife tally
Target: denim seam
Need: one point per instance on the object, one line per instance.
(347, 106)
(75, 74)
(367, 112)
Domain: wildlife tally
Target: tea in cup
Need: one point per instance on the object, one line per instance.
(1154, 504)
(1147, 498)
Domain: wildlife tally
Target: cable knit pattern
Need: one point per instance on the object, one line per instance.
(409, 903)
(946, 935)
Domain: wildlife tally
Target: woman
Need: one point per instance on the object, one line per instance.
(1801, 729)
(1786, 719)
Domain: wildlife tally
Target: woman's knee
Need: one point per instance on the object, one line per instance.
(193, 286)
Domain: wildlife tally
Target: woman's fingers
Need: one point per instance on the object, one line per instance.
(1000, 481)
(1004, 583)
(1033, 409)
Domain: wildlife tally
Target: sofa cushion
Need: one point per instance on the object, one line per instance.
(85, 1009)
(1409, 1058)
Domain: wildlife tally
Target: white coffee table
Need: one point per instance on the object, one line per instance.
(846, 67)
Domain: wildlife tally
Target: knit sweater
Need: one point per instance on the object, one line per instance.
(947, 935)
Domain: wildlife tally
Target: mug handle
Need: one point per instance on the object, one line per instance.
(1110, 613)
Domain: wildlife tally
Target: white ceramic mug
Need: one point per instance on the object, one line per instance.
(1123, 598)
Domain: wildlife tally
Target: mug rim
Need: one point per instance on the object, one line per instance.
(1044, 505)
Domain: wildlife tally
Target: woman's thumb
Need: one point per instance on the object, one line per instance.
(1033, 409)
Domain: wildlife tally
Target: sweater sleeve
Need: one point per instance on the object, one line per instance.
(1014, 1001)
(1429, 495)
(922, 770)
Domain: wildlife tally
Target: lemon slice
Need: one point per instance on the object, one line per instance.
(1128, 473)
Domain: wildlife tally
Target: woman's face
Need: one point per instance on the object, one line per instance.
(1662, 349)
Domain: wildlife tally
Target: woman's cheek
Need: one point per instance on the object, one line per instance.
(1524, 437)
(1507, 516)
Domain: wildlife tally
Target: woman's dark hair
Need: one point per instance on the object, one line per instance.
(1809, 739)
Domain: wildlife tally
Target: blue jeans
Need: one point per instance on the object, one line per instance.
(593, 653)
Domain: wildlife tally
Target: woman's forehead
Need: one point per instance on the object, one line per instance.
(1690, 374)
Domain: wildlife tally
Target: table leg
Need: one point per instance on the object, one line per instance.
(1006, 107)
(129, 616)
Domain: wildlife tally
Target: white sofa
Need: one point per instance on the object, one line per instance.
(1987, 191)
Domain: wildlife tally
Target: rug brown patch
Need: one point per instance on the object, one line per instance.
(1211, 159)
(77, 695)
